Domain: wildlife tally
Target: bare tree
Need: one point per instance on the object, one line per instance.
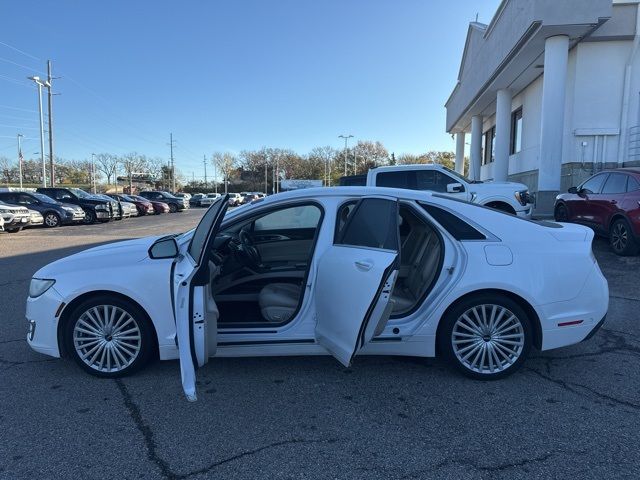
(107, 164)
(226, 163)
(133, 164)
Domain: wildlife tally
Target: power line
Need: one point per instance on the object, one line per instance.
(17, 108)
(19, 51)
(21, 66)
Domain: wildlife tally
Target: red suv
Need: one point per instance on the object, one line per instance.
(608, 202)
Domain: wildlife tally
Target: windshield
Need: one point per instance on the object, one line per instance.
(80, 193)
(167, 195)
(43, 198)
(128, 198)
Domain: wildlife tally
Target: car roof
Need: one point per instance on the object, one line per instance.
(634, 170)
(413, 166)
(347, 192)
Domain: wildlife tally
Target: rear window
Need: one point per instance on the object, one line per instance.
(616, 183)
(374, 224)
(401, 179)
(458, 228)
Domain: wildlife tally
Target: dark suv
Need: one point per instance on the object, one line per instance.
(608, 202)
(95, 208)
(175, 204)
(53, 212)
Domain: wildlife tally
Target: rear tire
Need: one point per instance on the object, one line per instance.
(13, 230)
(621, 238)
(109, 337)
(486, 336)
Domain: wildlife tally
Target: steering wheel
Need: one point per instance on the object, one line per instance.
(247, 252)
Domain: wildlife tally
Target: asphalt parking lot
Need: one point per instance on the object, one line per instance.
(570, 413)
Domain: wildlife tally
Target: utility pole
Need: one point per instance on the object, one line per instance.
(173, 167)
(266, 189)
(52, 168)
(93, 172)
(346, 139)
(44, 166)
(215, 174)
(20, 157)
(205, 171)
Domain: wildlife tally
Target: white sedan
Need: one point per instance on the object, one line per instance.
(340, 271)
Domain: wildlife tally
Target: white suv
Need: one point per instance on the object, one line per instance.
(510, 197)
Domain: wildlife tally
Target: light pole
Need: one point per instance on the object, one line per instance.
(41, 84)
(20, 158)
(346, 139)
(93, 172)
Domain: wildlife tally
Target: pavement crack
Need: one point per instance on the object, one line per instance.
(145, 430)
(620, 297)
(576, 389)
(12, 341)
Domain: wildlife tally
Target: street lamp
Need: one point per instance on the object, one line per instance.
(41, 84)
(346, 139)
(20, 157)
(93, 172)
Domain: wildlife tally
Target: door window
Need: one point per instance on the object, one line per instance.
(401, 179)
(305, 216)
(25, 199)
(432, 180)
(374, 224)
(633, 185)
(616, 183)
(593, 185)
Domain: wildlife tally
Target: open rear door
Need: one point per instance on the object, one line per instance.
(195, 313)
(356, 276)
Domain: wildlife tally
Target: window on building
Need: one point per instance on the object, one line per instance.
(516, 131)
(489, 146)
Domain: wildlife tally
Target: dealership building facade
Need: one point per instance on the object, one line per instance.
(548, 93)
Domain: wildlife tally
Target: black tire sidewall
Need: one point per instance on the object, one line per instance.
(147, 347)
(89, 217)
(631, 248)
(173, 208)
(56, 216)
(559, 208)
(446, 327)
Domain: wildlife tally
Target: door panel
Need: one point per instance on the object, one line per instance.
(353, 298)
(285, 252)
(356, 277)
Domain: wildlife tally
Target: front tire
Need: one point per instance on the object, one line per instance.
(561, 214)
(486, 337)
(621, 238)
(89, 217)
(109, 337)
(52, 220)
(172, 208)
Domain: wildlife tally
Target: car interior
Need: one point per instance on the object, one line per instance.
(264, 261)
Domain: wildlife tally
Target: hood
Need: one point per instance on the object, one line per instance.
(112, 255)
(501, 186)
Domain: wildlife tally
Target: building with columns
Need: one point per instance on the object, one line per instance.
(548, 93)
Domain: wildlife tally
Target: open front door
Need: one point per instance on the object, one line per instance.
(356, 276)
(195, 313)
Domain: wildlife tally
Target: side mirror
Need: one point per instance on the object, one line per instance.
(455, 188)
(164, 248)
(573, 190)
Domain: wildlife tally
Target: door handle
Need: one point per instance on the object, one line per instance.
(364, 265)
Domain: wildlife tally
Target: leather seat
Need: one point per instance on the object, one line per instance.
(421, 274)
(278, 301)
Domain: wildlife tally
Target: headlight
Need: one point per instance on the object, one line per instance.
(523, 197)
(39, 285)
(102, 207)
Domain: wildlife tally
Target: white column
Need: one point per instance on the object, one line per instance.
(503, 136)
(460, 152)
(556, 57)
(475, 161)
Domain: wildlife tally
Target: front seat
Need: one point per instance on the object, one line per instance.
(278, 301)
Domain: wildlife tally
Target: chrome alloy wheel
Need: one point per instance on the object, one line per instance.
(488, 338)
(51, 220)
(107, 338)
(619, 237)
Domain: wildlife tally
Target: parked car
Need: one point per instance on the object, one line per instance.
(55, 213)
(249, 197)
(15, 217)
(35, 218)
(609, 203)
(326, 271)
(175, 204)
(158, 207)
(182, 195)
(201, 200)
(95, 208)
(119, 212)
(510, 197)
(142, 205)
(235, 199)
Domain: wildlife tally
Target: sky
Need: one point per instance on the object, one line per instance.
(232, 75)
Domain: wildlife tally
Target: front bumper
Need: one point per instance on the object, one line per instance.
(22, 221)
(42, 333)
(103, 214)
(526, 211)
